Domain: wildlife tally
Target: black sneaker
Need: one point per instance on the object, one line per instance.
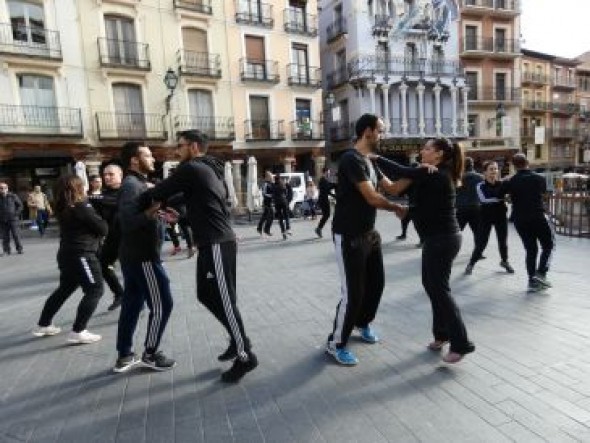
(115, 304)
(401, 237)
(535, 286)
(469, 269)
(239, 369)
(507, 266)
(229, 354)
(125, 363)
(318, 232)
(542, 280)
(157, 361)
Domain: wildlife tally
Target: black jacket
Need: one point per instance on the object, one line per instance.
(205, 191)
(325, 188)
(140, 239)
(526, 189)
(106, 205)
(267, 193)
(491, 199)
(81, 229)
(466, 193)
(10, 207)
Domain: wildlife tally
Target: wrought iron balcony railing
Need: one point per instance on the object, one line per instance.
(264, 130)
(336, 30)
(28, 41)
(563, 81)
(259, 70)
(124, 54)
(254, 13)
(200, 64)
(40, 120)
(490, 45)
(215, 128)
(337, 78)
(125, 126)
(494, 94)
(500, 5)
(564, 108)
(298, 22)
(342, 131)
(532, 77)
(307, 130)
(202, 6)
(535, 105)
(370, 65)
(303, 75)
(563, 132)
(382, 24)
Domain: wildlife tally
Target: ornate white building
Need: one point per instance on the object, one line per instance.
(398, 59)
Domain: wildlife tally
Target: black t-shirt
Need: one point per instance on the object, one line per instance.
(353, 215)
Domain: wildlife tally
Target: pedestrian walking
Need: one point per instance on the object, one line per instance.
(527, 190)
(81, 230)
(267, 216)
(95, 187)
(326, 189)
(11, 207)
(468, 203)
(40, 203)
(177, 203)
(405, 222)
(145, 279)
(106, 204)
(281, 204)
(200, 178)
(492, 214)
(435, 219)
(357, 243)
(311, 197)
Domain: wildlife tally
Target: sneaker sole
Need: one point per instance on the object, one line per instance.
(45, 334)
(157, 368)
(344, 363)
(72, 341)
(126, 368)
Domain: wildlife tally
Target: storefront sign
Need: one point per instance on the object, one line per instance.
(46, 172)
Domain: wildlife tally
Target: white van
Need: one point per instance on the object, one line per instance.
(297, 182)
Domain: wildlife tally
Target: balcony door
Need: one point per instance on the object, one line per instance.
(27, 20)
(255, 58)
(260, 117)
(121, 41)
(471, 81)
(470, 38)
(251, 9)
(37, 98)
(303, 115)
(500, 40)
(296, 16)
(129, 113)
(300, 66)
(502, 92)
(196, 48)
(200, 105)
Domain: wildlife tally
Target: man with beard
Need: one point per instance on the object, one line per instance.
(201, 179)
(357, 243)
(105, 204)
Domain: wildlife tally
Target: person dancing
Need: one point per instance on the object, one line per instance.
(436, 222)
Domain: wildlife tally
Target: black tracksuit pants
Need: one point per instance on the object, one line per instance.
(6, 229)
(469, 215)
(145, 282)
(76, 270)
(266, 219)
(108, 256)
(282, 212)
(360, 264)
(184, 229)
(534, 232)
(325, 207)
(438, 254)
(500, 224)
(216, 290)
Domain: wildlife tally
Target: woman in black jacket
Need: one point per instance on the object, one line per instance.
(492, 213)
(281, 202)
(436, 223)
(81, 230)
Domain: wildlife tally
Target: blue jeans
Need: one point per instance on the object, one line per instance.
(42, 220)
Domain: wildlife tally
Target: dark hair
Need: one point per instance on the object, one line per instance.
(69, 190)
(325, 169)
(93, 177)
(196, 136)
(453, 157)
(128, 151)
(468, 164)
(520, 161)
(366, 121)
(487, 163)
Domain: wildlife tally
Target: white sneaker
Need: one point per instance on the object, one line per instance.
(84, 337)
(42, 331)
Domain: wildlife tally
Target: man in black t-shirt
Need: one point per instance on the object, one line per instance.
(357, 243)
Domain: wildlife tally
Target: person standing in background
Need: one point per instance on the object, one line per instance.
(95, 185)
(11, 208)
(467, 201)
(40, 203)
(326, 189)
(267, 216)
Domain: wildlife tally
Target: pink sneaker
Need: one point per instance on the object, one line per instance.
(175, 250)
(452, 357)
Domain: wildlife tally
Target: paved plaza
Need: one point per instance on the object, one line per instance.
(529, 379)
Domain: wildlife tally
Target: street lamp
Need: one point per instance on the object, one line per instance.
(329, 100)
(171, 81)
(500, 113)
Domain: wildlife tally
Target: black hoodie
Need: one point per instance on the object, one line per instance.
(202, 182)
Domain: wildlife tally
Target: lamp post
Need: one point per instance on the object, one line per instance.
(171, 81)
(500, 113)
(329, 100)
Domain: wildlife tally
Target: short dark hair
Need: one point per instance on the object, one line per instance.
(366, 121)
(128, 151)
(196, 136)
(520, 161)
(94, 177)
(468, 164)
(487, 164)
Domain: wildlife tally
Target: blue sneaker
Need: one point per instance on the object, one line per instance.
(342, 355)
(368, 335)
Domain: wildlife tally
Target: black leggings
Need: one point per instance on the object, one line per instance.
(534, 232)
(500, 225)
(184, 229)
(325, 207)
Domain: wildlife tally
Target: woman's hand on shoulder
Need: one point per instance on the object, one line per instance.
(431, 168)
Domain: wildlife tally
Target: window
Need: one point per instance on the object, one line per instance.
(38, 100)
(501, 92)
(471, 38)
(259, 115)
(121, 42)
(200, 105)
(471, 81)
(473, 125)
(300, 67)
(538, 149)
(500, 40)
(255, 58)
(303, 114)
(28, 22)
(297, 17)
(129, 114)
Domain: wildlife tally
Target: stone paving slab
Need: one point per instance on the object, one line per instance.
(528, 380)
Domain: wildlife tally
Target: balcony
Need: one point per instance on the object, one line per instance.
(337, 78)
(564, 133)
(564, 108)
(255, 14)
(382, 25)
(297, 22)
(563, 82)
(535, 106)
(24, 41)
(489, 47)
(534, 78)
(342, 132)
(307, 130)
(126, 126)
(259, 70)
(430, 130)
(199, 64)
(38, 120)
(199, 6)
(124, 54)
(336, 30)
(585, 115)
(264, 130)
(491, 7)
(305, 76)
(371, 66)
(215, 128)
(494, 95)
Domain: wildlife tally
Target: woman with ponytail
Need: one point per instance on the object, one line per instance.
(436, 223)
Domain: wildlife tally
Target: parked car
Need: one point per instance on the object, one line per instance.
(297, 182)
